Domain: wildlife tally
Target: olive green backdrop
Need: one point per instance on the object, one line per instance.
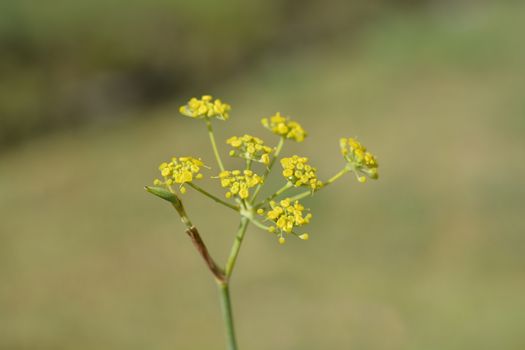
(428, 257)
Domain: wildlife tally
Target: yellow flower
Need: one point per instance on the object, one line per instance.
(286, 216)
(304, 236)
(251, 148)
(180, 170)
(239, 182)
(359, 160)
(285, 127)
(297, 171)
(206, 107)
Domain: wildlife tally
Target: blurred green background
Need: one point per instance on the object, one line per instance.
(431, 256)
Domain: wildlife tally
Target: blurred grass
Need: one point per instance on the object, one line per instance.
(70, 63)
(429, 257)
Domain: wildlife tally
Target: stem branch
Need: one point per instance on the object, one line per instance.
(209, 195)
(196, 239)
(259, 224)
(230, 264)
(214, 144)
(217, 272)
(269, 169)
(276, 194)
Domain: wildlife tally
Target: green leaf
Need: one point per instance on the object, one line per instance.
(164, 194)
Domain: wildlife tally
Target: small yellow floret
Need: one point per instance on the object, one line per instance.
(286, 216)
(285, 127)
(359, 160)
(298, 172)
(180, 170)
(206, 107)
(250, 148)
(239, 182)
(282, 240)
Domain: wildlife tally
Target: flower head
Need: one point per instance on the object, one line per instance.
(251, 148)
(206, 107)
(297, 171)
(239, 182)
(285, 127)
(286, 216)
(180, 170)
(359, 160)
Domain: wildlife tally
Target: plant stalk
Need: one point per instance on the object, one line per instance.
(230, 264)
(223, 285)
(209, 195)
(278, 150)
(227, 315)
(214, 144)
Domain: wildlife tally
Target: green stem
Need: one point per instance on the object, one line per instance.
(209, 195)
(276, 194)
(259, 224)
(214, 144)
(180, 209)
(300, 196)
(191, 230)
(227, 315)
(224, 286)
(230, 264)
(337, 176)
(278, 150)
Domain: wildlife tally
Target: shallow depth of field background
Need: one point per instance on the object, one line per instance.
(429, 257)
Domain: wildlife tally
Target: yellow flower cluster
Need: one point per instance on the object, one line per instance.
(239, 183)
(286, 216)
(206, 107)
(300, 173)
(285, 127)
(251, 148)
(361, 161)
(180, 170)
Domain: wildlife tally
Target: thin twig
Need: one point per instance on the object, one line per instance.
(203, 251)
